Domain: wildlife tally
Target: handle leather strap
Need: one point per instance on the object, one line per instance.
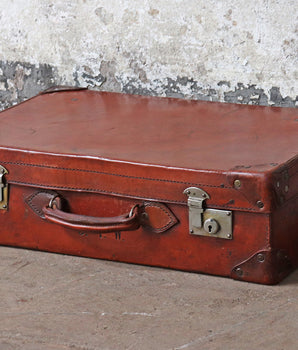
(126, 222)
(152, 216)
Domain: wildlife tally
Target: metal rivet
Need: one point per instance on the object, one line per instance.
(188, 192)
(203, 195)
(4, 206)
(277, 184)
(191, 231)
(261, 257)
(239, 272)
(260, 204)
(144, 215)
(237, 183)
(229, 235)
(286, 188)
(228, 213)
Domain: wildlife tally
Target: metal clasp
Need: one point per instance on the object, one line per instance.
(207, 222)
(196, 198)
(3, 189)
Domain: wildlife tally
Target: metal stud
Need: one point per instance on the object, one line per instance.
(260, 204)
(261, 257)
(237, 183)
(239, 272)
(144, 216)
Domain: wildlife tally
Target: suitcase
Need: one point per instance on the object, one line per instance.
(191, 185)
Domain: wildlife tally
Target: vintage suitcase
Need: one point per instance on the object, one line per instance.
(197, 186)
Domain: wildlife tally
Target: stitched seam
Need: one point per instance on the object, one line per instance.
(232, 208)
(171, 218)
(32, 205)
(112, 174)
(90, 190)
(124, 194)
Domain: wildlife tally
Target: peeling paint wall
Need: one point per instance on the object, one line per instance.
(232, 50)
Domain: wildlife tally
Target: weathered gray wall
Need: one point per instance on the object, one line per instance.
(230, 50)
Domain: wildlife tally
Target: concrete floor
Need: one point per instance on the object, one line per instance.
(50, 301)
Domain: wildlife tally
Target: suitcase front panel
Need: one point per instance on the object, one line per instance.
(174, 248)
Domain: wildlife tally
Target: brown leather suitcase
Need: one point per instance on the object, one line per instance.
(197, 186)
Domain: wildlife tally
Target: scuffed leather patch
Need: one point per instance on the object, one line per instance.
(158, 217)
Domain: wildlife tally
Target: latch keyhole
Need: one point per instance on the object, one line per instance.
(211, 226)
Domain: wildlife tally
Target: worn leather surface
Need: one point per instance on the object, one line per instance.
(151, 130)
(150, 148)
(105, 152)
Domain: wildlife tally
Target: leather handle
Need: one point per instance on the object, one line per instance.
(126, 222)
(152, 216)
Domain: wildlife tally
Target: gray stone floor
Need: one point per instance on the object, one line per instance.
(50, 301)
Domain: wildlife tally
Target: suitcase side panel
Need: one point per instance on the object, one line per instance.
(284, 223)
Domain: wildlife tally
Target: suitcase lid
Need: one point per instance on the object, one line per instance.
(243, 156)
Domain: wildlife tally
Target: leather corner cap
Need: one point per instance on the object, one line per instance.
(159, 217)
(266, 267)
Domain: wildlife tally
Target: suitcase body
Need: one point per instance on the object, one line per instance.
(196, 186)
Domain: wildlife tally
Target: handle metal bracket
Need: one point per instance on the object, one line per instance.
(207, 222)
(3, 189)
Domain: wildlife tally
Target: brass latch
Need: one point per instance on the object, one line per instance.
(3, 189)
(207, 222)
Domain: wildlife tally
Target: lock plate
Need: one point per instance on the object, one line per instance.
(3, 189)
(207, 222)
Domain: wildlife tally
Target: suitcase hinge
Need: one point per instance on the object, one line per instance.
(3, 189)
(207, 222)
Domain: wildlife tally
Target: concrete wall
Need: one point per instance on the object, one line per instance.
(232, 50)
